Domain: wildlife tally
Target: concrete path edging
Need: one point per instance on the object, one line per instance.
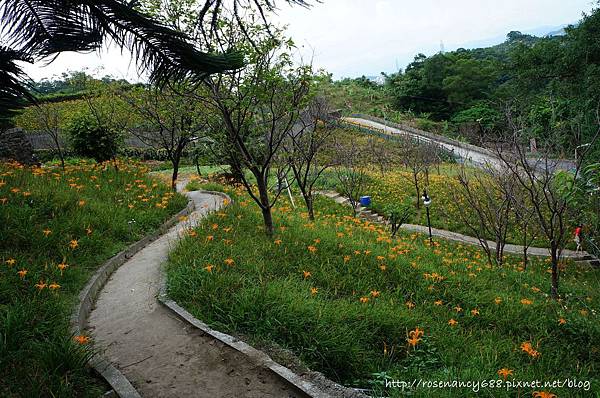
(88, 295)
(257, 356)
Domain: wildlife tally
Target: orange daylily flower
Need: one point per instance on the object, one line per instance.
(452, 322)
(543, 394)
(562, 321)
(416, 332)
(312, 249)
(209, 267)
(73, 244)
(229, 261)
(475, 312)
(528, 348)
(504, 372)
(438, 302)
(307, 274)
(22, 273)
(375, 293)
(62, 267)
(47, 232)
(54, 286)
(410, 304)
(364, 299)
(526, 301)
(40, 285)
(81, 339)
(413, 341)
(314, 290)
(277, 242)
(11, 261)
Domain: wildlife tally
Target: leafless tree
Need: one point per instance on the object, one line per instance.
(485, 193)
(350, 171)
(168, 121)
(382, 153)
(524, 215)
(549, 194)
(304, 148)
(418, 157)
(49, 120)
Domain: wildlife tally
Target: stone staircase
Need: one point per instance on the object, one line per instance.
(362, 212)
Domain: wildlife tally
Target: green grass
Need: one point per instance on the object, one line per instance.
(265, 295)
(196, 185)
(87, 203)
(448, 204)
(167, 169)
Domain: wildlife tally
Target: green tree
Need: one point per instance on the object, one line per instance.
(90, 139)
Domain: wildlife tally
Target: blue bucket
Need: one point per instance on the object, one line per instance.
(365, 201)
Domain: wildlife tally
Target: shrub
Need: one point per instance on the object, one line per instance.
(90, 139)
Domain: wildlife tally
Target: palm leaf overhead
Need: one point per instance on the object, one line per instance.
(13, 88)
(39, 28)
(44, 27)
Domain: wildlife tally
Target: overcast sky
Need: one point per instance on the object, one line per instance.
(365, 37)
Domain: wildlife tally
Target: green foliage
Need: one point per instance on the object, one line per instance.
(553, 84)
(89, 139)
(481, 113)
(265, 295)
(86, 202)
(196, 185)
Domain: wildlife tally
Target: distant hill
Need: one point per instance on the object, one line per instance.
(500, 51)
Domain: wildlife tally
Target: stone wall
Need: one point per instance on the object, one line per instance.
(14, 145)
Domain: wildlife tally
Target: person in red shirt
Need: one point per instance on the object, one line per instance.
(577, 237)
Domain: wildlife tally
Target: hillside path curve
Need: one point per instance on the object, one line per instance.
(160, 354)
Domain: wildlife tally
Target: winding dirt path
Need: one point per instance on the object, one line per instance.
(160, 354)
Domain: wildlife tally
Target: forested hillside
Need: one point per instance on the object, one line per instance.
(550, 85)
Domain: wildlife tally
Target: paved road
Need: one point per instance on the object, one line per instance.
(479, 156)
(469, 153)
(159, 353)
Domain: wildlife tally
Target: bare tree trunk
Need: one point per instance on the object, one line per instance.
(265, 204)
(309, 200)
(417, 190)
(554, 255)
(175, 162)
(197, 163)
(525, 248)
(59, 150)
(174, 176)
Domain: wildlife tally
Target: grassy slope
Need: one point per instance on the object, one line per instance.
(265, 294)
(448, 203)
(38, 357)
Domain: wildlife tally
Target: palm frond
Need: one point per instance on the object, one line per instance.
(43, 27)
(13, 88)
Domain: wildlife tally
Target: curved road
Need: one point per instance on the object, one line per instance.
(478, 156)
(160, 354)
